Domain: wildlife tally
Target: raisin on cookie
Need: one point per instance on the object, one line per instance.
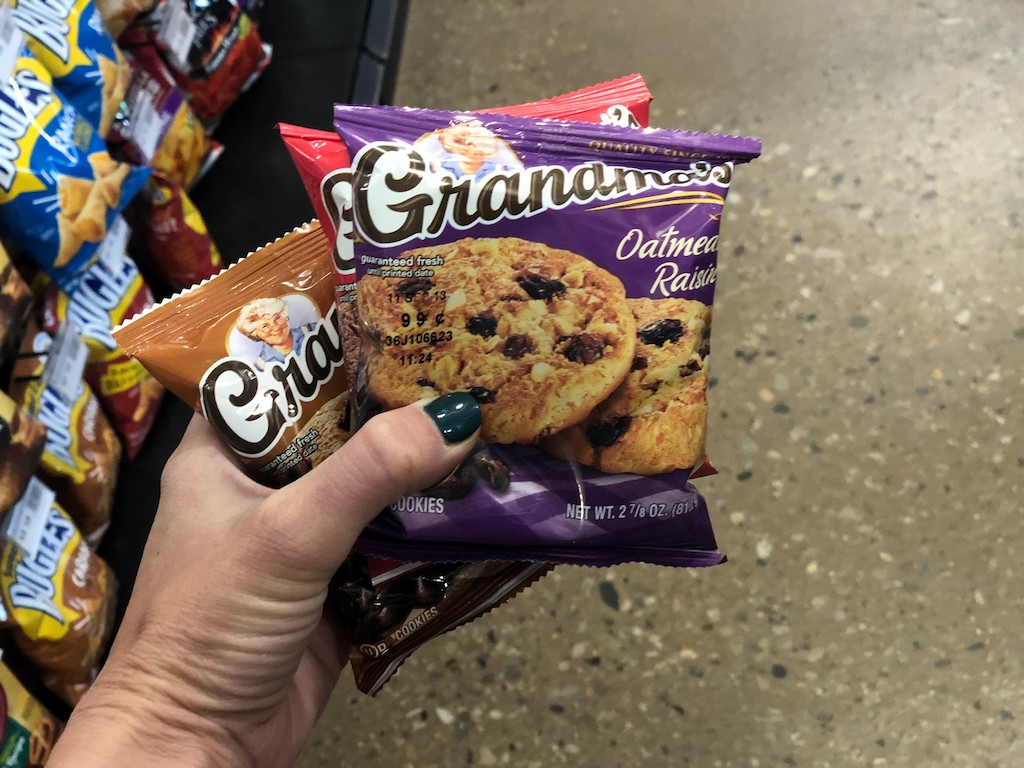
(657, 420)
(538, 335)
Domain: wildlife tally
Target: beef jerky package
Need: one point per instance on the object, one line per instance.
(392, 608)
(563, 274)
(256, 351)
(28, 730)
(174, 234)
(59, 187)
(211, 46)
(15, 305)
(88, 67)
(22, 442)
(82, 455)
(58, 597)
(110, 291)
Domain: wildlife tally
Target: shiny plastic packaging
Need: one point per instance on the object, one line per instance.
(562, 274)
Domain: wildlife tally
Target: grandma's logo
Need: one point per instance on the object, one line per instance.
(281, 353)
(22, 100)
(398, 195)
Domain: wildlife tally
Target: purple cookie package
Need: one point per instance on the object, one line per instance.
(437, 196)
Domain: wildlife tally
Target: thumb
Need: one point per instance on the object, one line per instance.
(394, 454)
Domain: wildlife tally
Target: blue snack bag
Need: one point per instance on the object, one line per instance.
(69, 39)
(59, 187)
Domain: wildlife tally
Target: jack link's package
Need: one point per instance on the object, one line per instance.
(563, 274)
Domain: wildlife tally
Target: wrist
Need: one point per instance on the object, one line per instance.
(119, 723)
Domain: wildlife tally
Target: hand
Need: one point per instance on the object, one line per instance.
(225, 657)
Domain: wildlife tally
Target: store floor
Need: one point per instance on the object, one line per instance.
(867, 420)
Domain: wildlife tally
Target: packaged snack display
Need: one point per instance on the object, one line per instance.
(118, 14)
(174, 234)
(15, 304)
(82, 455)
(110, 291)
(58, 597)
(562, 274)
(22, 442)
(256, 351)
(59, 188)
(185, 150)
(150, 107)
(87, 66)
(27, 729)
(212, 48)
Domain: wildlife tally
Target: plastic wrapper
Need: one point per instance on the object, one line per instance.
(110, 291)
(256, 351)
(15, 305)
(88, 67)
(22, 442)
(562, 274)
(392, 608)
(150, 107)
(82, 455)
(174, 234)
(58, 597)
(185, 150)
(212, 47)
(28, 730)
(118, 14)
(60, 190)
(283, 414)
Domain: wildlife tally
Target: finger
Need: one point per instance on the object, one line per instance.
(394, 454)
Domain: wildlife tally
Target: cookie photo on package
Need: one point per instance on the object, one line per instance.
(563, 275)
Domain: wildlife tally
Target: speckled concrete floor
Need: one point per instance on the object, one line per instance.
(869, 350)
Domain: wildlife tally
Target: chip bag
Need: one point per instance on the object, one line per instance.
(82, 455)
(110, 291)
(88, 67)
(147, 114)
(211, 46)
(563, 275)
(59, 188)
(174, 234)
(15, 304)
(22, 442)
(118, 14)
(58, 597)
(185, 151)
(28, 730)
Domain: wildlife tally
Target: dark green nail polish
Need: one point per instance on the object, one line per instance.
(457, 416)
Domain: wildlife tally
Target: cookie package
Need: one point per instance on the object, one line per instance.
(563, 274)
(256, 351)
(60, 190)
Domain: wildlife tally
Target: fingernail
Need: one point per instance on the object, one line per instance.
(457, 416)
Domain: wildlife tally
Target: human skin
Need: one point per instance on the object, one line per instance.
(225, 656)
